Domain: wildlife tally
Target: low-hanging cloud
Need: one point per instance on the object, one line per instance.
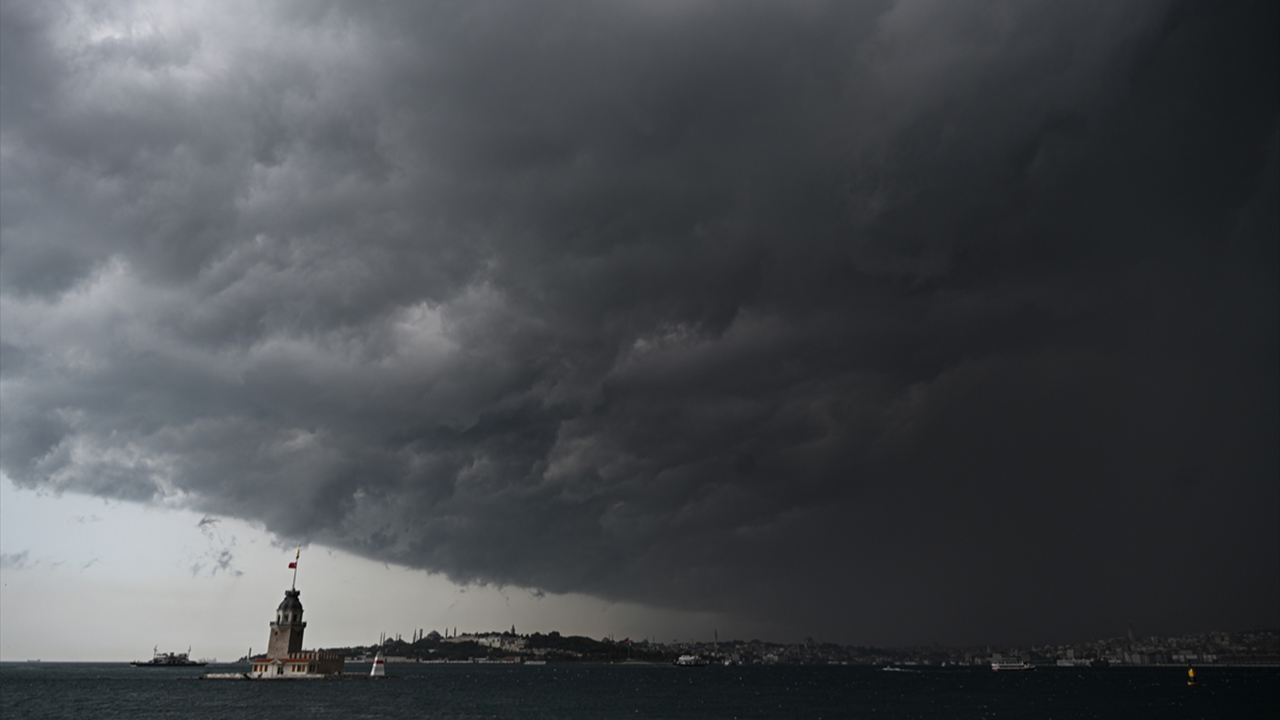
(881, 321)
(16, 561)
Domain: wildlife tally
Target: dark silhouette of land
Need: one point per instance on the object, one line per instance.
(1254, 647)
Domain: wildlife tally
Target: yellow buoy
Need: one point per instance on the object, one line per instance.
(1191, 676)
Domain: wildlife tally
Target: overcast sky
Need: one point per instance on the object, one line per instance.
(881, 322)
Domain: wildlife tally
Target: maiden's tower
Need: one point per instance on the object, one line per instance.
(285, 657)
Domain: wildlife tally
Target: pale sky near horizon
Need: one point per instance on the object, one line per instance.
(85, 579)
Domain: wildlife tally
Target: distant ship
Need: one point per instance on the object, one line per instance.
(159, 659)
(1007, 666)
(690, 661)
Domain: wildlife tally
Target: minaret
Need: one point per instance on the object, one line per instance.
(286, 631)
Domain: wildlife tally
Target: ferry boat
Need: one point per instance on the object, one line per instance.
(159, 659)
(1012, 666)
(690, 661)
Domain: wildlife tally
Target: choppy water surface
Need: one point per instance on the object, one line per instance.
(116, 690)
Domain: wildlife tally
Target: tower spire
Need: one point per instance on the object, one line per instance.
(294, 566)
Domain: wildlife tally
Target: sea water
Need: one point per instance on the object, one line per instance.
(566, 691)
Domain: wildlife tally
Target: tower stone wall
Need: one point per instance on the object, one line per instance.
(286, 631)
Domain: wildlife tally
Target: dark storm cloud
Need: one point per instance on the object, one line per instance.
(883, 322)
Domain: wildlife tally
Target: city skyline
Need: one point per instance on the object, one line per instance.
(885, 322)
(346, 604)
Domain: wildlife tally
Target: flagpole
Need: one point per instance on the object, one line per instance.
(296, 555)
